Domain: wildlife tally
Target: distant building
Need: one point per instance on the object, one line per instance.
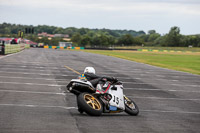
(67, 39)
(61, 35)
(65, 44)
(45, 34)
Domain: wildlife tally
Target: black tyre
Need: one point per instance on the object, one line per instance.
(89, 104)
(131, 107)
(79, 108)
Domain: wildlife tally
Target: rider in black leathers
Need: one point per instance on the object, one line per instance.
(95, 79)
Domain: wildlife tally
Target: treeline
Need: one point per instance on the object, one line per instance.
(171, 39)
(7, 28)
(104, 37)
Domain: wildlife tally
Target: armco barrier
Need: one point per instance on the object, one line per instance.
(9, 49)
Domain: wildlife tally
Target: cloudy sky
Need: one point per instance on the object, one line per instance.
(137, 15)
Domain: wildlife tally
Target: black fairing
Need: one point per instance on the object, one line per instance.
(78, 88)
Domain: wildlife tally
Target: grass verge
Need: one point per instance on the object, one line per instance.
(187, 62)
(193, 49)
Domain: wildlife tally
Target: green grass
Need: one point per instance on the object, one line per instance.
(187, 62)
(194, 49)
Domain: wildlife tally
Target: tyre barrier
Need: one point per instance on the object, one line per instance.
(170, 51)
(58, 47)
(141, 50)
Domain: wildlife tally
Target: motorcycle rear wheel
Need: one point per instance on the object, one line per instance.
(131, 107)
(89, 104)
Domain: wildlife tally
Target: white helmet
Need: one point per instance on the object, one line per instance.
(89, 70)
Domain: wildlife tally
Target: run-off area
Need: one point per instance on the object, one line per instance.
(33, 97)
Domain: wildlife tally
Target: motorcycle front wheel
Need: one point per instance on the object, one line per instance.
(89, 104)
(131, 107)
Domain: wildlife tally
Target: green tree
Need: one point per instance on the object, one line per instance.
(138, 41)
(173, 37)
(126, 40)
(153, 37)
(76, 39)
(83, 31)
(151, 32)
(96, 42)
(104, 40)
(160, 41)
(58, 30)
(101, 40)
(86, 41)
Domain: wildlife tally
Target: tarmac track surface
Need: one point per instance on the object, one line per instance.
(32, 83)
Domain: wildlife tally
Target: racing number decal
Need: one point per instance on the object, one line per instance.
(116, 100)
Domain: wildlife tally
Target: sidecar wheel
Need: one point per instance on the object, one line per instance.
(90, 104)
(131, 107)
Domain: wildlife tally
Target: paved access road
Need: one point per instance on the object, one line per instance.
(32, 83)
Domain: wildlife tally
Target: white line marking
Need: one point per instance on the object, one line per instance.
(44, 74)
(30, 67)
(174, 80)
(33, 78)
(134, 83)
(29, 83)
(22, 66)
(161, 98)
(38, 63)
(185, 91)
(18, 72)
(67, 108)
(162, 84)
(32, 92)
(176, 76)
(137, 78)
(55, 85)
(166, 111)
(127, 78)
(160, 76)
(146, 89)
(143, 89)
(185, 85)
(66, 75)
(46, 68)
(39, 67)
(63, 81)
(38, 106)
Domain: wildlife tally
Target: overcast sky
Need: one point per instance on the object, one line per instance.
(137, 15)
